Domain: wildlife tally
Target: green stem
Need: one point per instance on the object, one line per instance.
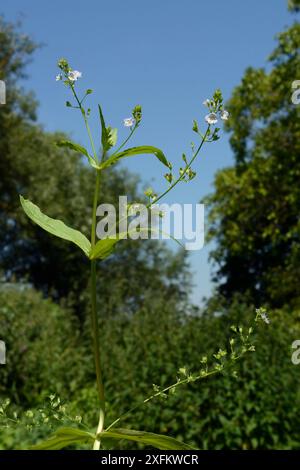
(187, 167)
(94, 317)
(85, 122)
(151, 397)
(126, 140)
(95, 205)
(94, 320)
(187, 380)
(96, 344)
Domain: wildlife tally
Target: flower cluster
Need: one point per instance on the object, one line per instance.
(67, 73)
(135, 119)
(215, 107)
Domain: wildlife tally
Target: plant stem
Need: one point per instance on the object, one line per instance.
(95, 332)
(181, 177)
(85, 122)
(126, 140)
(186, 380)
(151, 397)
(94, 317)
(94, 320)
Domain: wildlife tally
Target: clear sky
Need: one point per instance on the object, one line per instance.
(167, 55)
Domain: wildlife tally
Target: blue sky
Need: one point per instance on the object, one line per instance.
(166, 55)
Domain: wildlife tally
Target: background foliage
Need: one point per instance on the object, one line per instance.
(149, 326)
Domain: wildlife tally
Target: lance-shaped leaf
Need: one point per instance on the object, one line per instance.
(109, 135)
(55, 227)
(144, 149)
(78, 148)
(159, 441)
(65, 437)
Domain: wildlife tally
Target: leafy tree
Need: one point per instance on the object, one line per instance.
(254, 211)
(294, 5)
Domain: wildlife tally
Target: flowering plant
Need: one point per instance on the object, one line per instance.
(241, 341)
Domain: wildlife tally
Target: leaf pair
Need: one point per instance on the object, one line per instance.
(65, 437)
(109, 140)
(144, 149)
(58, 228)
(101, 250)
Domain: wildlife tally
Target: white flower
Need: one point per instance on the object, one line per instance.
(211, 118)
(58, 77)
(206, 102)
(224, 115)
(73, 75)
(128, 122)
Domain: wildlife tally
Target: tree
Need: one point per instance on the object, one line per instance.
(294, 5)
(254, 210)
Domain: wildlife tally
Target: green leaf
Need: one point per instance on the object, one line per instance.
(54, 226)
(77, 148)
(159, 441)
(113, 136)
(103, 248)
(109, 135)
(64, 437)
(135, 151)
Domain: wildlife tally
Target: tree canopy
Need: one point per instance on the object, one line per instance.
(254, 211)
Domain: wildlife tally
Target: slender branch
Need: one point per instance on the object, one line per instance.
(126, 140)
(85, 122)
(180, 178)
(160, 392)
(188, 166)
(173, 386)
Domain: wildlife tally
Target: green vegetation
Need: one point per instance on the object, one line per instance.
(254, 211)
(150, 330)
